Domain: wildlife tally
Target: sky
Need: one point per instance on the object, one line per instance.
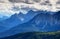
(8, 8)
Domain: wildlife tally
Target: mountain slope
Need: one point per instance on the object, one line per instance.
(40, 22)
(16, 19)
(35, 35)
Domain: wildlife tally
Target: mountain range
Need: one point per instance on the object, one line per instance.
(33, 21)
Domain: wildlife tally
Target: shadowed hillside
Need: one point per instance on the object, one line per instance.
(35, 35)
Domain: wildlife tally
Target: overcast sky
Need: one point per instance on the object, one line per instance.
(8, 8)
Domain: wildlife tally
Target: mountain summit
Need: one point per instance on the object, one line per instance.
(33, 21)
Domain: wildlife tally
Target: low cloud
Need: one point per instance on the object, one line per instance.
(16, 6)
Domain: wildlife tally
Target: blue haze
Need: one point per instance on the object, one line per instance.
(33, 21)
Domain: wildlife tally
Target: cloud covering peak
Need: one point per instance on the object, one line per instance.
(10, 7)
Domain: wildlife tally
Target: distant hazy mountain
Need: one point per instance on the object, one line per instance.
(32, 21)
(3, 17)
(17, 19)
(20, 18)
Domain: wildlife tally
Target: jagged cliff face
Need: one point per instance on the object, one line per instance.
(15, 6)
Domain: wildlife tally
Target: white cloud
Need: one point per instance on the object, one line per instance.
(6, 7)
